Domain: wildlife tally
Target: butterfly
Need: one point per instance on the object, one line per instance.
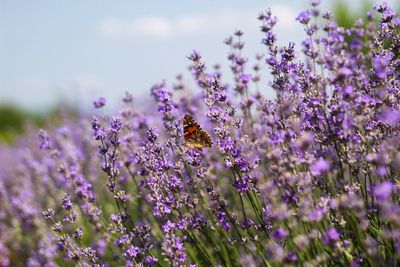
(195, 137)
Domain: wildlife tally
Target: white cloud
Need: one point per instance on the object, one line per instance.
(163, 28)
(187, 24)
(158, 27)
(152, 26)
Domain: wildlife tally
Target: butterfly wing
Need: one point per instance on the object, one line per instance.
(195, 137)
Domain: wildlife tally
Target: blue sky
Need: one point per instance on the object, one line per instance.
(76, 51)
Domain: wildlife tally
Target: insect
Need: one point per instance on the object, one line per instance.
(195, 137)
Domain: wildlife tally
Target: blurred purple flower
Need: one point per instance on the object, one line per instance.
(45, 142)
(279, 234)
(383, 191)
(150, 261)
(391, 116)
(319, 167)
(99, 103)
(304, 17)
(331, 236)
(380, 63)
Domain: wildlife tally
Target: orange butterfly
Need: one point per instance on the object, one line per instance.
(195, 137)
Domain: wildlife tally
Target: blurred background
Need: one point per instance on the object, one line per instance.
(67, 53)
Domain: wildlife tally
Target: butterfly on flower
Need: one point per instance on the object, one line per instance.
(195, 137)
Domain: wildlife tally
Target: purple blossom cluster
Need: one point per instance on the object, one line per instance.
(309, 178)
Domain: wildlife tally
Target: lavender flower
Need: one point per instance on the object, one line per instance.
(304, 17)
(67, 203)
(319, 167)
(330, 236)
(99, 103)
(279, 234)
(383, 191)
(391, 116)
(306, 178)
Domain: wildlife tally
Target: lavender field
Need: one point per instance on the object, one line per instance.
(307, 178)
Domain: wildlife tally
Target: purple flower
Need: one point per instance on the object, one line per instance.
(343, 73)
(168, 227)
(84, 189)
(279, 234)
(128, 97)
(150, 261)
(319, 167)
(245, 78)
(48, 213)
(175, 182)
(131, 252)
(347, 91)
(391, 116)
(224, 221)
(121, 196)
(123, 240)
(243, 184)
(116, 125)
(380, 63)
(331, 236)
(194, 56)
(45, 142)
(317, 214)
(268, 21)
(66, 202)
(174, 250)
(315, 3)
(163, 97)
(388, 13)
(78, 233)
(4, 253)
(304, 17)
(269, 40)
(383, 191)
(115, 218)
(152, 135)
(99, 103)
(57, 227)
(99, 134)
(100, 246)
(95, 123)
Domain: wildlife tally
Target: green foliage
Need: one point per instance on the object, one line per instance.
(345, 16)
(12, 121)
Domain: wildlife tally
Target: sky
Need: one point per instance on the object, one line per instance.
(76, 51)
